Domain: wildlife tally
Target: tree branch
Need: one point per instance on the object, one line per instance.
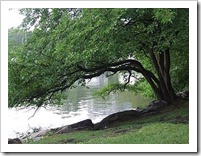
(34, 112)
(128, 80)
(161, 62)
(82, 72)
(167, 60)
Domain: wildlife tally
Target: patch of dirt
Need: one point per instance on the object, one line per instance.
(68, 141)
(180, 119)
(163, 119)
(130, 129)
(121, 131)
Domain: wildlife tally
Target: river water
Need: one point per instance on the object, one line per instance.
(80, 104)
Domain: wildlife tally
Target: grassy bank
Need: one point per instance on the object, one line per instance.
(169, 127)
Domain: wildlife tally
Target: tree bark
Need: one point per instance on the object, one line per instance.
(164, 76)
(162, 67)
(167, 76)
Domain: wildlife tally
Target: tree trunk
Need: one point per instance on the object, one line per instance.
(162, 66)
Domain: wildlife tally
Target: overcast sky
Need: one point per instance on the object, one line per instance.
(14, 18)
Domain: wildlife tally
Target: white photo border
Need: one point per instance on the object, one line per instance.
(191, 147)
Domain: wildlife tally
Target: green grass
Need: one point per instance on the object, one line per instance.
(155, 129)
(156, 133)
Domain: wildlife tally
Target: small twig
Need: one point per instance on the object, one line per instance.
(89, 80)
(21, 108)
(128, 81)
(34, 112)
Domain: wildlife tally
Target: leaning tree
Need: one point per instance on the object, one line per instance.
(71, 45)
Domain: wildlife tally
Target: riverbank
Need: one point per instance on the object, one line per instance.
(169, 126)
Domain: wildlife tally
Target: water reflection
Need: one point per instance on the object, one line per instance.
(79, 105)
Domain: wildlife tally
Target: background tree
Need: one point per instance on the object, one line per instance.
(71, 45)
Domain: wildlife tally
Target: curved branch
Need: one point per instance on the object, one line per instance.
(123, 65)
(82, 72)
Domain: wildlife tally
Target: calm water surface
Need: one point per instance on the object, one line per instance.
(81, 104)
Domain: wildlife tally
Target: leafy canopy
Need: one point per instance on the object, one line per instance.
(65, 46)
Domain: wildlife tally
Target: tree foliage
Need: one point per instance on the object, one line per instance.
(71, 45)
